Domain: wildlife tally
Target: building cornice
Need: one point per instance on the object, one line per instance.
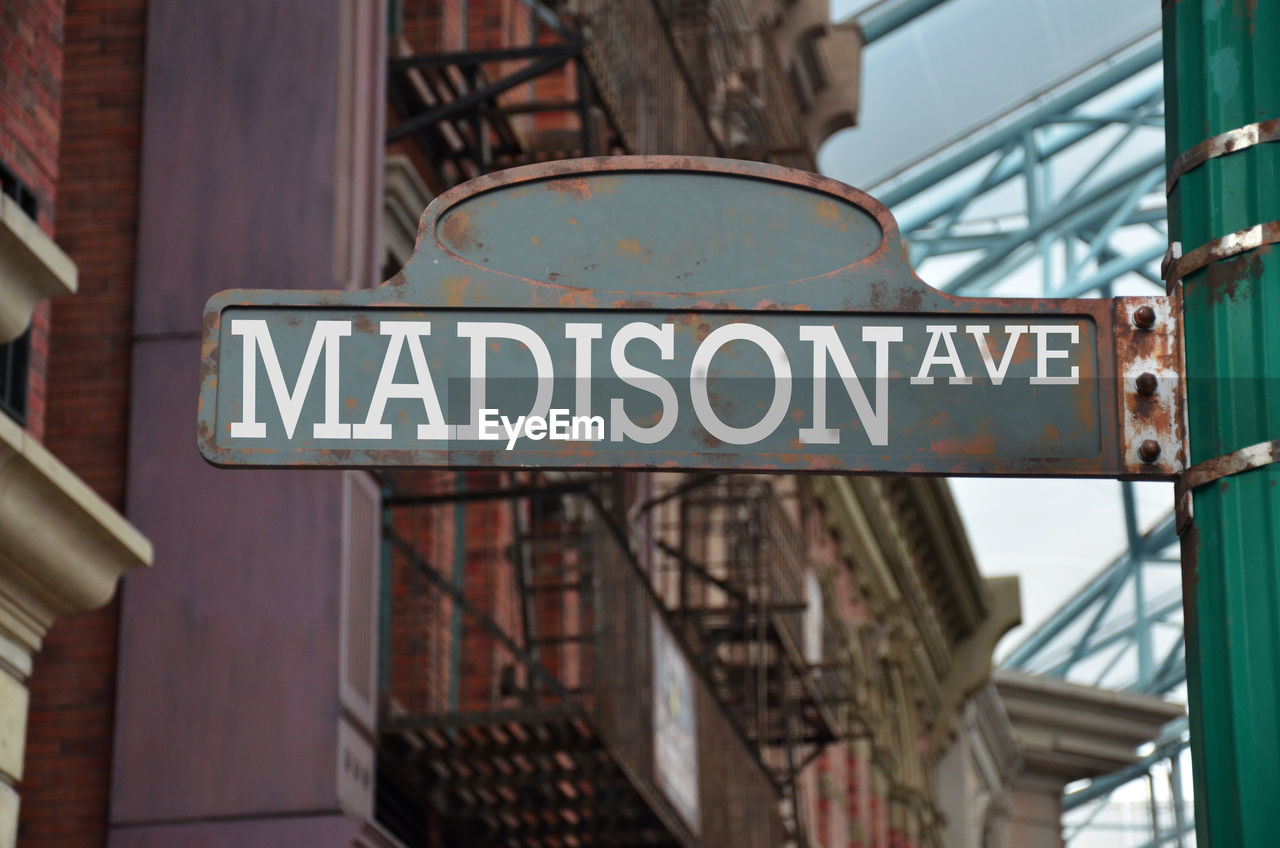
(821, 60)
(1068, 732)
(62, 547)
(946, 538)
(32, 268)
(971, 663)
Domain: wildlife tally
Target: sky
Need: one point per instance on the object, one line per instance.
(1054, 534)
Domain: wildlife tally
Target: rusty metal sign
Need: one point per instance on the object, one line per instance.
(684, 313)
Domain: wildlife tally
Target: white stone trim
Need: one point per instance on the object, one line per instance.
(62, 547)
(1067, 732)
(32, 268)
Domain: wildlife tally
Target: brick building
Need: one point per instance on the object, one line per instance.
(436, 658)
(63, 540)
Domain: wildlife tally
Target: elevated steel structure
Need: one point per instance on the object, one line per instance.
(1064, 197)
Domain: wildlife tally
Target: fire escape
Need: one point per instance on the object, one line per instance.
(523, 612)
(521, 689)
(475, 111)
(733, 569)
(488, 734)
(691, 77)
(520, 682)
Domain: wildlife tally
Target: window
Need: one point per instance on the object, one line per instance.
(16, 189)
(13, 377)
(15, 356)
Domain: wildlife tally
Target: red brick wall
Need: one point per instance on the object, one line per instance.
(30, 78)
(68, 763)
(421, 613)
(437, 26)
(30, 75)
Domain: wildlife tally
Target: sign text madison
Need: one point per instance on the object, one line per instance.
(600, 315)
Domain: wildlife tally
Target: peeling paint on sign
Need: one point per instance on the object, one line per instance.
(671, 312)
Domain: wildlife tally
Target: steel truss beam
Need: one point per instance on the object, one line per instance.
(1072, 182)
(884, 18)
(1106, 222)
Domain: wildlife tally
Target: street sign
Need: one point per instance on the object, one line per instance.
(684, 313)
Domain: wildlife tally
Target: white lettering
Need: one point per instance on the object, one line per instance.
(480, 332)
(623, 426)
(827, 345)
(1044, 354)
(558, 425)
(402, 333)
(778, 361)
(582, 334)
(257, 339)
(979, 333)
(931, 358)
(513, 430)
(587, 428)
(489, 419)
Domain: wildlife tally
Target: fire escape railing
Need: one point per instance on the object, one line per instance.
(476, 111)
(734, 572)
(649, 77)
(519, 702)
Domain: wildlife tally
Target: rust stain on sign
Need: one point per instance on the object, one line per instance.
(827, 212)
(631, 247)
(771, 323)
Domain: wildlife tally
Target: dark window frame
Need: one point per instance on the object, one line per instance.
(15, 356)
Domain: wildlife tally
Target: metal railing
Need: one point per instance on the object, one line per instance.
(526, 675)
(692, 78)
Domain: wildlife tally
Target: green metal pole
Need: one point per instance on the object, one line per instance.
(1222, 73)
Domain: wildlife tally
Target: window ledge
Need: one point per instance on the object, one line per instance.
(32, 268)
(62, 547)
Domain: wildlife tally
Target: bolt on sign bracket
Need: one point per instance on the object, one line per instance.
(1151, 391)
(687, 313)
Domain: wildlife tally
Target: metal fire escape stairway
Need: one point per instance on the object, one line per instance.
(742, 559)
(471, 111)
(731, 572)
(522, 764)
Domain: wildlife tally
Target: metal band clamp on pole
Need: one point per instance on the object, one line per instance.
(1176, 265)
(1223, 144)
(1174, 268)
(1212, 470)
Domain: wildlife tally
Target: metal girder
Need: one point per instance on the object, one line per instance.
(1087, 134)
(472, 58)
(1102, 588)
(474, 98)
(884, 18)
(1060, 134)
(983, 274)
(1172, 740)
(1053, 108)
(1072, 181)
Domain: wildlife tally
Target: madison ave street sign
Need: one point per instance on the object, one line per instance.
(683, 313)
